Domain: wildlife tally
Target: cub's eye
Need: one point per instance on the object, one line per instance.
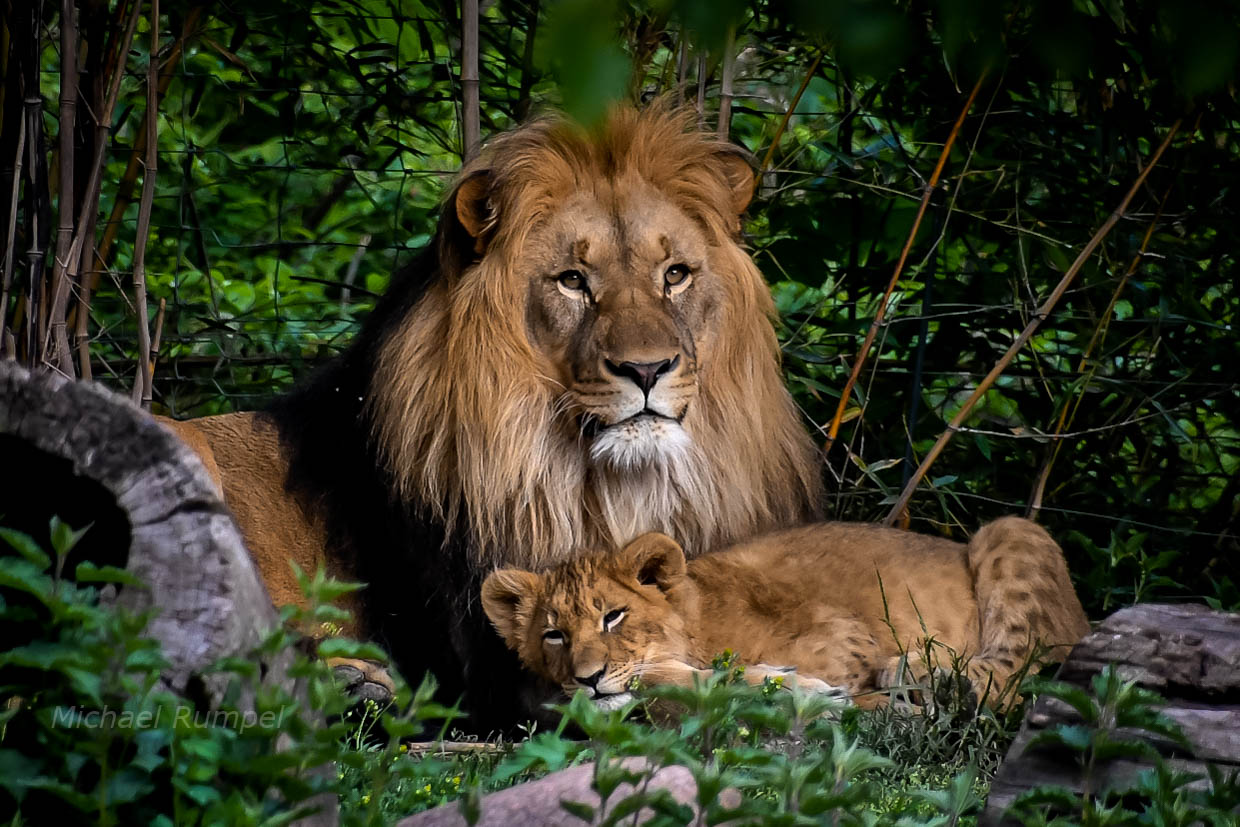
(573, 280)
(676, 275)
(613, 618)
(553, 636)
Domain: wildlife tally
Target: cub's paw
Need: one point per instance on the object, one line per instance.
(789, 678)
(819, 687)
(365, 680)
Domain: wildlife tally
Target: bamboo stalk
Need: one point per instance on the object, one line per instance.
(57, 339)
(724, 127)
(682, 68)
(148, 386)
(700, 101)
(1034, 323)
(142, 384)
(872, 333)
(10, 239)
(470, 105)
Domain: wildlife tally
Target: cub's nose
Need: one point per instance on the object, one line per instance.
(591, 681)
(643, 374)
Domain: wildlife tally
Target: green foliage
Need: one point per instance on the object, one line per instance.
(91, 734)
(1121, 720)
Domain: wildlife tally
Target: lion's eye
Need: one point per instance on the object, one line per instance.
(553, 636)
(613, 618)
(573, 280)
(676, 275)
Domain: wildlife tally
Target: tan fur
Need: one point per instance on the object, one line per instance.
(479, 396)
(808, 598)
(251, 472)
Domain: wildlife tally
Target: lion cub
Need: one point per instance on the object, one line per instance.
(839, 602)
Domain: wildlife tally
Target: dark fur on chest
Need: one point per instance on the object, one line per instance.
(421, 596)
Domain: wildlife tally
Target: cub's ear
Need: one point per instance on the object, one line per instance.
(471, 200)
(655, 560)
(508, 597)
(738, 171)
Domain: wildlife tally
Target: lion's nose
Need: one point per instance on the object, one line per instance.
(592, 680)
(643, 374)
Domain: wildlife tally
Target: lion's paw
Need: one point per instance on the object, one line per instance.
(365, 680)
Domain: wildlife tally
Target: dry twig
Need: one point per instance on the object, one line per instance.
(870, 334)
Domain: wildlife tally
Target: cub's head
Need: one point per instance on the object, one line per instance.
(598, 622)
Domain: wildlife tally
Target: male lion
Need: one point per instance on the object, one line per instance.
(839, 602)
(584, 354)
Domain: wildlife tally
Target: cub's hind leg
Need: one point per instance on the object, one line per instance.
(1024, 599)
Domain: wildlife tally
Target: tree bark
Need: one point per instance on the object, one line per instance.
(183, 543)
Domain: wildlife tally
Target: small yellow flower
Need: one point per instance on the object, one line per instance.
(742, 731)
(456, 780)
(427, 788)
(404, 747)
(365, 800)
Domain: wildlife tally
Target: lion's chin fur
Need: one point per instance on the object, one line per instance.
(641, 442)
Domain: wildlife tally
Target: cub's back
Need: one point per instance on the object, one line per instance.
(786, 574)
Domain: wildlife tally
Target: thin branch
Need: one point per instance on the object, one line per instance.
(142, 384)
(931, 184)
(470, 107)
(783, 122)
(1034, 323)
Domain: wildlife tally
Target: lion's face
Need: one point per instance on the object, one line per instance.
(598, 623)
(594, 357)
(622, 303)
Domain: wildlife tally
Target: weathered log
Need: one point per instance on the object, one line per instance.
(1188, 654)
(541, 802)
(87, 455)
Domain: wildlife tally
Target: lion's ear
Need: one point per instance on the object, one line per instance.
(655, 560)
(472, 203)
(508, 597)
(735, 164)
